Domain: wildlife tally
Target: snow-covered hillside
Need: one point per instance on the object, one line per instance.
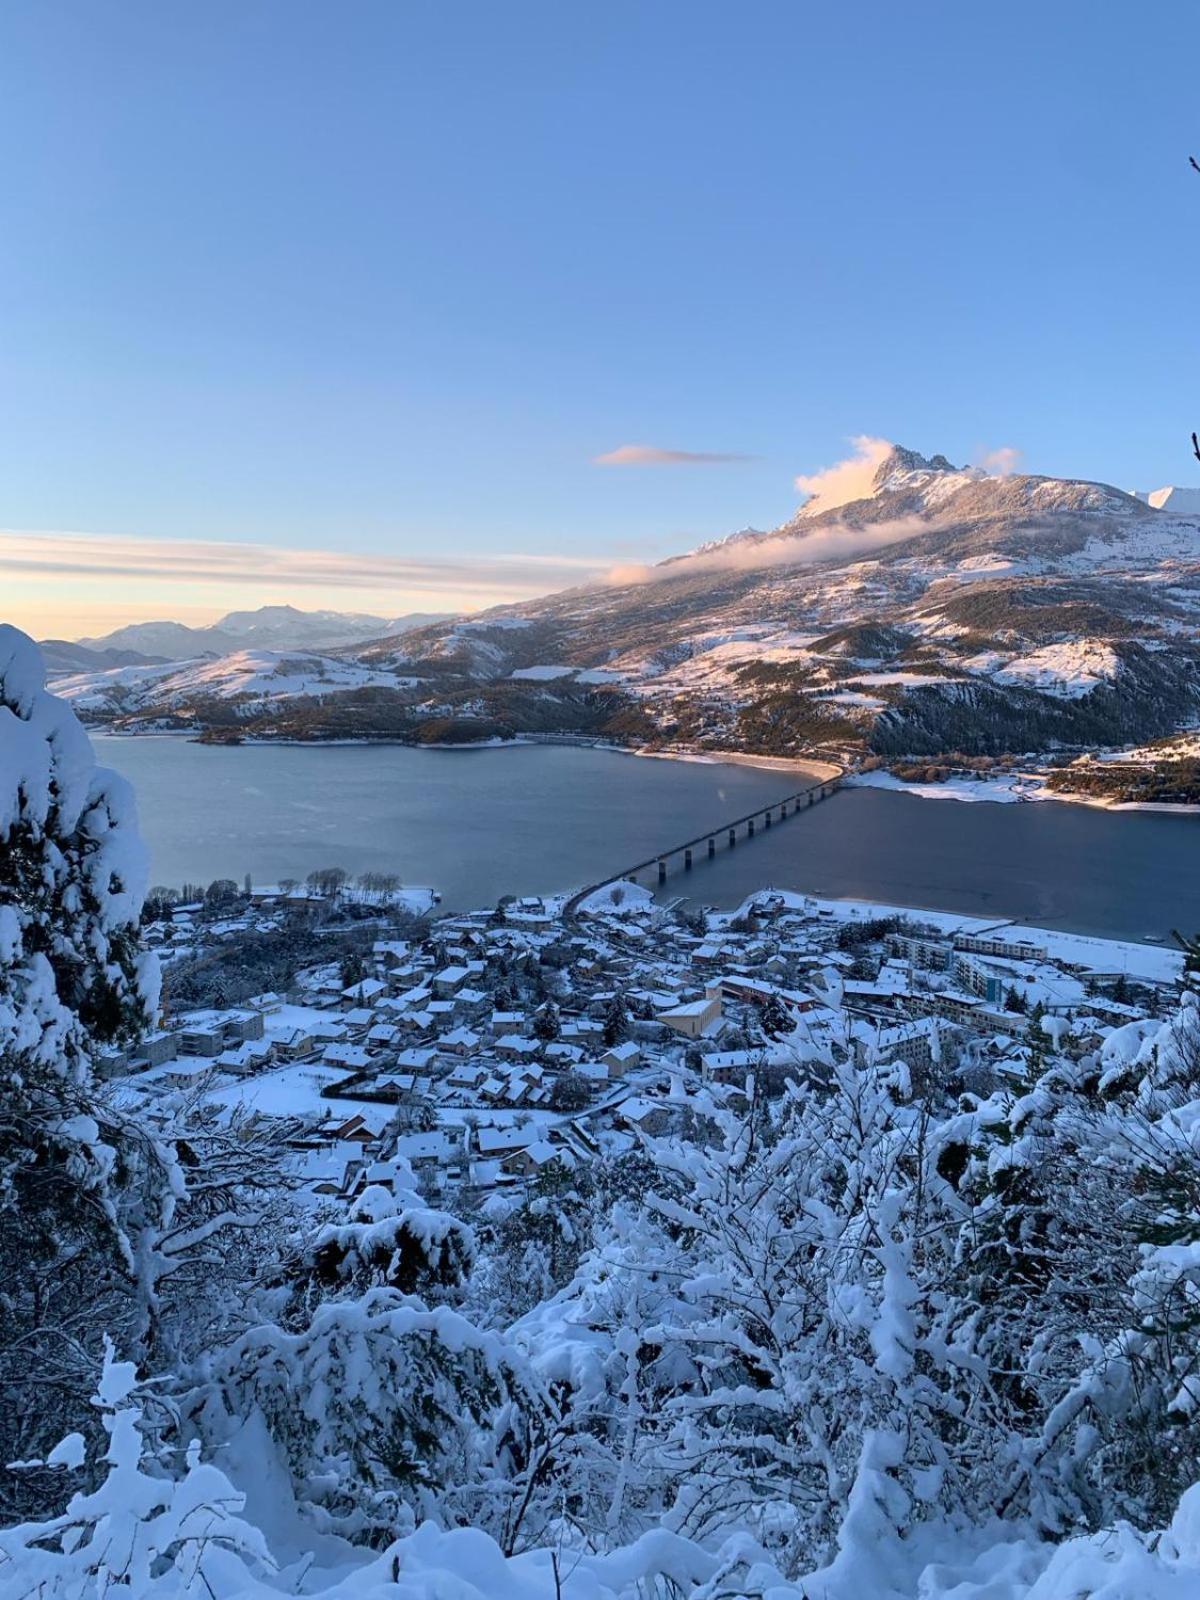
(1011, 612)
(254, 678)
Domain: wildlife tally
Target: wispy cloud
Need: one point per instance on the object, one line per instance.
(653, 455)
(1001, 462)
(836, 542)
(106, 557)
(847, 480)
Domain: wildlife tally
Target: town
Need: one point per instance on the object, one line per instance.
(489, 1051)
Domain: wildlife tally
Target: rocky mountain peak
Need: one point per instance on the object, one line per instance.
(903, 460)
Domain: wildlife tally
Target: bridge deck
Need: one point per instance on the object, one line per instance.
(660, 857)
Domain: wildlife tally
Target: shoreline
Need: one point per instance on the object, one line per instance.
(1015, 788)
(854, 908)
(805, 766)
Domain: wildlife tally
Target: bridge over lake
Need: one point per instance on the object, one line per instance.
(656, 867)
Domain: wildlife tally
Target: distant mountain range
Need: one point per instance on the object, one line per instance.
(269, 628)
(946, 610)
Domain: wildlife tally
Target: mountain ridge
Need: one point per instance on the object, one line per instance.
(273, 626)
(947, 609)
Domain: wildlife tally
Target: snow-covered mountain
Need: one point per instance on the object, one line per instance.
(1171, 498)
(269, 627)
(254, 680)
(945, 609)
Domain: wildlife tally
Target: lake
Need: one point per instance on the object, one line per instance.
(477, 824)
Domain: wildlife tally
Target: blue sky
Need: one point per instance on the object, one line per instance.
(383, 279)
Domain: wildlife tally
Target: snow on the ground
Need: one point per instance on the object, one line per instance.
(292, 1091)
(1156, 963)
(620, 898)
(899, 679)
(1153, 962)
(1005, 787)
(993, 565)
(1068, 670)
(1183, 746)
(266, 674)
(851, 697)
(549, 673)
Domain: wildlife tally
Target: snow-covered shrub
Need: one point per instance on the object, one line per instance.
(1078, 1287)
(136, 1533)
(737, 1340)
(391, 1239)
(385, 1412)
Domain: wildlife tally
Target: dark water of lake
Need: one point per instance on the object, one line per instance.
(1121, 874)
(477, 824)
(474, 824)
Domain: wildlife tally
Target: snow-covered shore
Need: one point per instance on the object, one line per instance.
(1006, 788)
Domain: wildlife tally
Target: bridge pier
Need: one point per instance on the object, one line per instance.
(662, 870)
(687, 859)
(750, 828)
(783, 811)
(732, 837)
(712, 848)
(766, 819)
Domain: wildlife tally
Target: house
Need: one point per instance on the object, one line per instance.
(619, 1058)
(439, 1148)
(354, 1057)
(417, 1059)
(365, 989)
(536, 1158)
(496, 1143)
(473, 1004)
(648, 1116)
(563, 1055)
(187, 1072)
(356, 1130)
(449, 981)
(469, 1075)
(458, 1042)
(292, 1042)
(730, 1066)
(250, 1056)
(517, 1048)
(693, 1019)
(329, 1168)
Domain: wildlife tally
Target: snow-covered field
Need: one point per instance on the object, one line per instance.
(264, 675)
(1069, 670)
(1004, 787)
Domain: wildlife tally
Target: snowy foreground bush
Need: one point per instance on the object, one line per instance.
(853, 1340)
(146, 1533)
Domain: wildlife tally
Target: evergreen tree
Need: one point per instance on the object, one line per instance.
(774, 1017)
(547, 1025)
(616, 1020)
(72, 980)
(1191, 960)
